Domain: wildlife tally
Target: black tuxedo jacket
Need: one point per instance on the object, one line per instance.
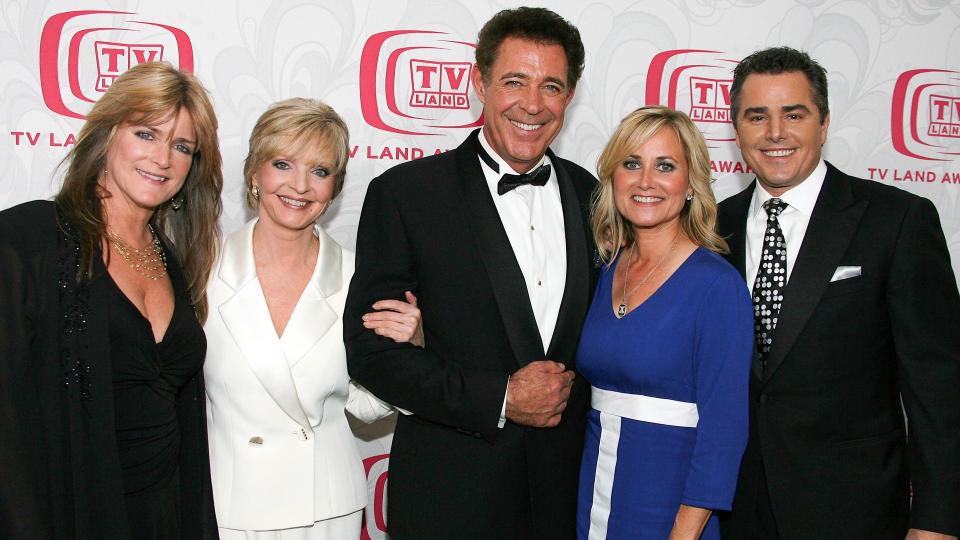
(848, 359)
(431, 226)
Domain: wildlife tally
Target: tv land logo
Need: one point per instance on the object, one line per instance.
(944, 116)
(696, 81)
(710, 100)
(115, 58)
(83, 52)
(925, 116)
(417, 82)
(440, 85)
(375, 514)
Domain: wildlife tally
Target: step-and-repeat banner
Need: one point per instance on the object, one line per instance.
(398, 73)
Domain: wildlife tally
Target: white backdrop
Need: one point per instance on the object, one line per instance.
(397, 72)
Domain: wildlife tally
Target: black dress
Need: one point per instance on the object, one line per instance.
(147, 378)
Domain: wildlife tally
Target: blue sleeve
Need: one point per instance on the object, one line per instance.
(722, 356)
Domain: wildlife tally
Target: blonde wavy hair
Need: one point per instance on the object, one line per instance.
(698, 219)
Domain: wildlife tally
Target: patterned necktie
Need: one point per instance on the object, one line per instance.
(771, 279)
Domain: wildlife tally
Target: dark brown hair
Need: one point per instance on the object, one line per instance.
(535, 24)
(777, 60)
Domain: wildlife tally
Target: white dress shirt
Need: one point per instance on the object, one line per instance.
(533, 219)
(793, 220)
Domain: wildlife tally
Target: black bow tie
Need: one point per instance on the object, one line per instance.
(536, 177)
(508, 182)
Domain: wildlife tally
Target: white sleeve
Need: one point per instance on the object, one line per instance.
(365, 406)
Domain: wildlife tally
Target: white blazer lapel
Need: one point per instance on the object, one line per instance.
(313, 317)
(247, 318)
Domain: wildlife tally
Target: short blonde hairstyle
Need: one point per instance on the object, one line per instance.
(698, 219)
(292, 126)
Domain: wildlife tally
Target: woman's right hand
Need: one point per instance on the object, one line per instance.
(397, 320)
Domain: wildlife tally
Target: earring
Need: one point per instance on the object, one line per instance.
(255, 191)
(689, 196)
(176, 202)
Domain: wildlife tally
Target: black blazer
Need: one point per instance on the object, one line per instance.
(431, 226)
(827, 425)
(59, 467)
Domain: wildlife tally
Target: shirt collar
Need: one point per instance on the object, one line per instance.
(801, 197)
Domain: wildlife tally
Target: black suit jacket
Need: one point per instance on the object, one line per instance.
(431, 226)
(827, 425)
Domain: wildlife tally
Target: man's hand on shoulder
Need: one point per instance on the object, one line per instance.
(537, 393)
(917, 534)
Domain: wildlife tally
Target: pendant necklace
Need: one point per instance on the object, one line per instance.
(622, 308)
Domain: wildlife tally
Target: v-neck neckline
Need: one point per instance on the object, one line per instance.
(613, 276)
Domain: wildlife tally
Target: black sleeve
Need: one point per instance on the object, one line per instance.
(24, 507)
(924, 306)
(418, 380)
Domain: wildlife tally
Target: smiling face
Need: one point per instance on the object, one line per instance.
(147, 165)
(524, 98)
(778, 129)
(295, 189)
(650, 185)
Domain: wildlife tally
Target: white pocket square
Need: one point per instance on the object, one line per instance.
(845, 272)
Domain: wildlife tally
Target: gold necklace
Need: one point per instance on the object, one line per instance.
(622, 308)
(150, 262)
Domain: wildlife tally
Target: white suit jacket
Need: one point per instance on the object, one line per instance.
(281, 452)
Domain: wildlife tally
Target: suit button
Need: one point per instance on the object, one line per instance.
(763, 398)
(256, 441)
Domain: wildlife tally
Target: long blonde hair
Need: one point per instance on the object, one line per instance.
(698, 219)
(148, 93)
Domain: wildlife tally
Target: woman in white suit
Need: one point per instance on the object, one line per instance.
(284, 462)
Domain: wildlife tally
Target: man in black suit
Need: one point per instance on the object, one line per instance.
(493, 239)
(854, 302)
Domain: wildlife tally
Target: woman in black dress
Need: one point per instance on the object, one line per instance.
(102, 296)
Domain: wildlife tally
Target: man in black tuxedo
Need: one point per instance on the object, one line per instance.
(493, 239)
(854, 302)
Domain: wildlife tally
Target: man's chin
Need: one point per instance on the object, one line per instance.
(526, 155)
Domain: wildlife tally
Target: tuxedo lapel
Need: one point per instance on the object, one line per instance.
(832, 225)
(576, 292)
(312, 317)
(501, 264)
(247, 318)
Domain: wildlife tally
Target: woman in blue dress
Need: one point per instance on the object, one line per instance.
(666, 345)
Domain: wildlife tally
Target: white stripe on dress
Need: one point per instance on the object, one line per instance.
(603, 481)
(645, 408)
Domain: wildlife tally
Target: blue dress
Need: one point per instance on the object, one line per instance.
(671, 380)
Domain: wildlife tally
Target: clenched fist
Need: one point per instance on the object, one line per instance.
(537, 393)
